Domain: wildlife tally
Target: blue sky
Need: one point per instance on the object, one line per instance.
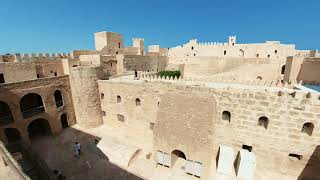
(64, 25)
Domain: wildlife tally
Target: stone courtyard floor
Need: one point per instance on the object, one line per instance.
(93, 164)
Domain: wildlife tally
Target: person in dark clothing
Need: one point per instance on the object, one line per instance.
(135, 74)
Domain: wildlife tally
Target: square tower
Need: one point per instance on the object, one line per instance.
(139, 43)
(108, 40)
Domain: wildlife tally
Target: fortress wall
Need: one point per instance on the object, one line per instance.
(47, 68)
(302, 68)
(86, 60)
(42, 56)
(272, 50)
(12, 94)
(15, 72)
(144, 63)
(272, 146)
(208, 66)
(85, 95)
(310, 71)
(77, 53)
(135, 116)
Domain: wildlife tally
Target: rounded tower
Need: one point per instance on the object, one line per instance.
(85, 96)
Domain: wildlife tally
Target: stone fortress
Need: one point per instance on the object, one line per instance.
(238, 111)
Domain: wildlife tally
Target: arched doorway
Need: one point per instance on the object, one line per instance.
(31, 105)
(176, 155)
(64, 121)
(12, 135)
(5, 114)
(58, 98)
(283, 69)
(39, 128)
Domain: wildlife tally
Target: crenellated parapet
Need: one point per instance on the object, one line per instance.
(42, 56)
(153, 76)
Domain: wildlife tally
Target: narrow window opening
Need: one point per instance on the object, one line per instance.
(226, 115)
(257, 55)
(138, 102)
(192, 48)
(224, 52)
(2, 79)
(101, 96)
(263, 121)
(55, 74)
(120, 117)
(295, 156)
(275, 51)
(151, 126)
(307, 128)
(118, 99)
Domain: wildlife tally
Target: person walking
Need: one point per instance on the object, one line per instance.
(76, 149)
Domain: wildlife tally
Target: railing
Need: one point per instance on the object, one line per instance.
(59, 103)
(5, 119)
(32, 112)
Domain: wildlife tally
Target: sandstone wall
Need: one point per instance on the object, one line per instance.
(310, 71)
(286, 116)
(85, 95)
(16, 72)
(12, 94)
(144, 63)
(270, 49)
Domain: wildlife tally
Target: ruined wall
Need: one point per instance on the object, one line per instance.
(16, 72)
(272, 145)
(85, 95)
(12, 94)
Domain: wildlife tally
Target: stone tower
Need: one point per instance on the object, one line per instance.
(139, 43)
(232, 40)
(109, 43)
(85, 96)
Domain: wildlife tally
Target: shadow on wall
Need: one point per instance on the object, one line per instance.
(91, 164)
(311, 170)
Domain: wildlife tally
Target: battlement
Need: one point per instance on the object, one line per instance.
(42, 56)
(152, 76)
(255, 89)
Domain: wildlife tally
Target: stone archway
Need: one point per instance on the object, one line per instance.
(175, 155)
(39, 128)
(31, 104)
(12, 134)
(64, 121)
(5, 114)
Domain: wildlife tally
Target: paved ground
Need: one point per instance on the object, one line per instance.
(94, 164)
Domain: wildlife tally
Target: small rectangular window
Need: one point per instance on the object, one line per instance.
(120, 117)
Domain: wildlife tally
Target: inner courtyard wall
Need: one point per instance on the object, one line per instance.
(12, 94)
(272, 146)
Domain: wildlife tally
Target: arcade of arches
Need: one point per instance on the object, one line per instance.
(31, 104)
